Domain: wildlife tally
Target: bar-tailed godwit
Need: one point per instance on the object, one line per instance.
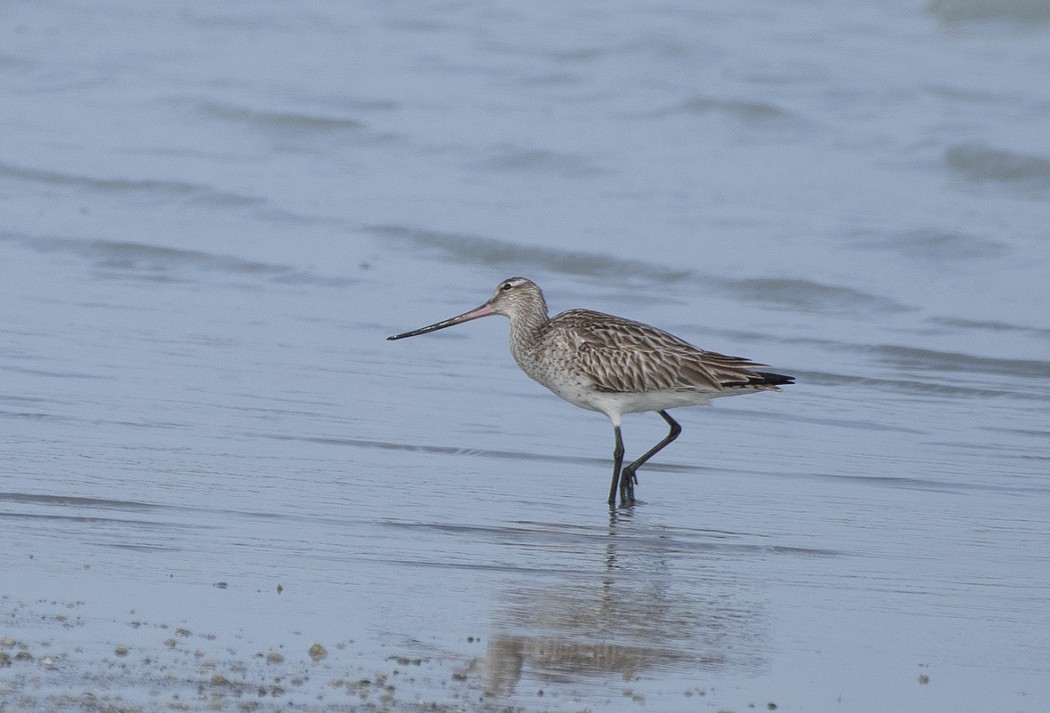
(613, 365)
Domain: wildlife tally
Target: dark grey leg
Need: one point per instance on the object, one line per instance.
(617, 464)
(628, 478)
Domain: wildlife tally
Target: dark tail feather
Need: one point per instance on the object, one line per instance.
(761, 379)
(771, 379)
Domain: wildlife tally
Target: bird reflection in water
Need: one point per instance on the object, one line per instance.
(650, 606)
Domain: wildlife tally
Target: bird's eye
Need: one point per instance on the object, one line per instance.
(506, 286)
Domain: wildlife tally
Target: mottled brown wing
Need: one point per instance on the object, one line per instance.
(622, 355)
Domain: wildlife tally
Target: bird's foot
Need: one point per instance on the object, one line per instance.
(627, 483)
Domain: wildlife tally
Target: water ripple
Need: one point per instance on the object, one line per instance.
(165, 263)
(499, 253)
(160, 188)
(804, 294)
(982, 164)
(935, 245)
(561, 163)
(783, 292)
(281, 120)
(1008, 10)
(930, 360)
(751, 111)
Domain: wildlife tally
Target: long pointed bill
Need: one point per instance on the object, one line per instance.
(483, 311)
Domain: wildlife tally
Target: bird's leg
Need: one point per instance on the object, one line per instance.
(617, 464)
(628, 477)
(627, 481)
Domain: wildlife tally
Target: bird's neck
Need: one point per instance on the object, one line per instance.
(525, 330)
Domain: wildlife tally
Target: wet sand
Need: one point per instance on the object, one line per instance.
(52, 667)
(58, 663)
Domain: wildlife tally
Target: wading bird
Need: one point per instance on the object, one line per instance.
(613, 365)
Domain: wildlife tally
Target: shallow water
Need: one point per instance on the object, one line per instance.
(213, 216)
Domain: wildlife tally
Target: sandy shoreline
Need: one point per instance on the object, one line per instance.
(54, 659)
(55, 662)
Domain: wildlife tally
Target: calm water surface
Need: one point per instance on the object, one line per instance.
(211, 216)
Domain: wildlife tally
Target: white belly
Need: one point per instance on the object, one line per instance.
(615, 404)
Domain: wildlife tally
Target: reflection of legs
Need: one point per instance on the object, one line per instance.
(628, 478)
(617, 463)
